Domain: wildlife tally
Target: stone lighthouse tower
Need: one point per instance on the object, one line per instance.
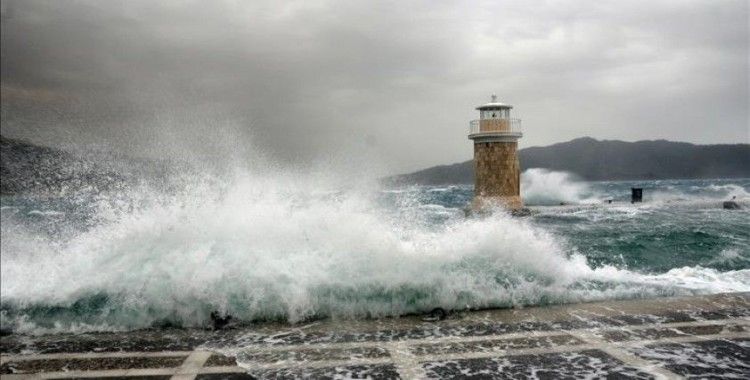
(497, 172)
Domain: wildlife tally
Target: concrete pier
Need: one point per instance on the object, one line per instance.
(702, 336)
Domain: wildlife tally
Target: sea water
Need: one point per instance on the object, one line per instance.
(294, 248)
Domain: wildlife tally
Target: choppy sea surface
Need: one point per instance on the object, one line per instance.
(293, 249)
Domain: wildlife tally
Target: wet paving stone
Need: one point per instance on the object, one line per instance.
(717, 359)
(569, 365)
(637, 320)
(664, 332)
(494, 345)
(217, 360)
(310, 354)
(225, 376)
(707, 329)
(667, 317)
(135, 341)
(92, 364)
(374, 371)
(711, 315)
(125, 378)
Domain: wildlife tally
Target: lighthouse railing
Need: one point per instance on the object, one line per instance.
(510, 126)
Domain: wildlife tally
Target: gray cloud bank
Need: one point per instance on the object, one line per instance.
(397, 81)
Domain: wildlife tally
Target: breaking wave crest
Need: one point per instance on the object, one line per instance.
(542, 187)
(289, 248)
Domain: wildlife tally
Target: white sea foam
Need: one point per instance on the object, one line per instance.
(264, 251)
(48, 213)
(286, 247)
(708, 195)
(545, 187)
(729, 191)
(696, 279)
(731, 257)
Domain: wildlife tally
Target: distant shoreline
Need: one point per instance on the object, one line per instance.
(608, 160)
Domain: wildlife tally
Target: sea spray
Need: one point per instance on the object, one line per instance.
(545, 187)
(273, 249)
(282, 246)
(700, 196)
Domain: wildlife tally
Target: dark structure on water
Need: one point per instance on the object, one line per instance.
(636, 195)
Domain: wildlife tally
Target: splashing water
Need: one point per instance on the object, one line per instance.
(286, 247)
(545, 187)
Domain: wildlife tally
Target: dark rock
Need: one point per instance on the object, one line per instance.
(437, 314)
(220, 322)
(731, 205)
(524, 211)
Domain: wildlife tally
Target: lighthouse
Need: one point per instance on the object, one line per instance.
(497, 173)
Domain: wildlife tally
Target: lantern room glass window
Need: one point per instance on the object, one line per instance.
(495, 114)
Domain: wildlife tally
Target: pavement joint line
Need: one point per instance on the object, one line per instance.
(708, 322)
(194, 362)
(506, 353)
(92, 355)
(316, 363)
(405, 361)
(222, 369)
(125, 372)
(687, 339)
(107, 373)
(627, 358)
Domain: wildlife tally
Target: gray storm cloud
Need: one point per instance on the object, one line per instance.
(306, 80)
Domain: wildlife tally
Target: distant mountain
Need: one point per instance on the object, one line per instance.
(596, 160)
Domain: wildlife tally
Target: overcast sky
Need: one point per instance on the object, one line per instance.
(304, 80)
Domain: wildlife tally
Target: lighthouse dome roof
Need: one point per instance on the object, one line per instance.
(493, 104)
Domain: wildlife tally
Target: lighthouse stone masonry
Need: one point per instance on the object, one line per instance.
(497, 173)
